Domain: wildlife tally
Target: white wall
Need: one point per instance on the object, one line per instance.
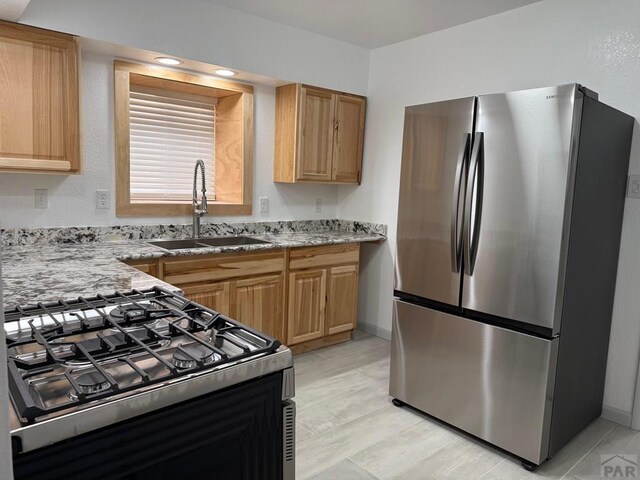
(197, 30)
(593, 42)
(72, 198)
(201, 30)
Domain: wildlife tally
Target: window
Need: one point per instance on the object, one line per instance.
(165, 121)
(168, 133)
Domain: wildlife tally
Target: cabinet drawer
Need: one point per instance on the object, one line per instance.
(222, 266)
(466, 372)
(326, 255)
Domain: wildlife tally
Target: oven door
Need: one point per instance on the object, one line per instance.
(231, 434)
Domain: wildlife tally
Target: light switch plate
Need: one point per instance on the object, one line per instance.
(264, 204)
(633, 186)
(41, 198)
(103, 199)
(318, 205)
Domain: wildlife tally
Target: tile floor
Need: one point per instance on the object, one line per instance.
(347, 429)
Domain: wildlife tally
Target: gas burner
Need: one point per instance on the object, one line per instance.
(196, 351)
(111, 345)
(136, 313)
(88, 383)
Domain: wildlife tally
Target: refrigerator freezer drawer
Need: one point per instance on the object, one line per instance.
(494, 383)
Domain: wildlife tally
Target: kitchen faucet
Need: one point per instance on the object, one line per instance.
(198, 210)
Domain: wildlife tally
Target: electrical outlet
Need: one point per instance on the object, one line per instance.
(264, 204)
(103, 199)
(318, 205)
(633, 190)
(41, 197)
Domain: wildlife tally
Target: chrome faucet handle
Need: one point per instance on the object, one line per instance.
(203, 203)
(199, 209)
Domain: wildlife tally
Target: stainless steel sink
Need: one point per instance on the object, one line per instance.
(224, 241)
(177, 244)
(205, 242)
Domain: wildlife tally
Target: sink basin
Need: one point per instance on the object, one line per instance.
(205, 242)
(224, 241)
(177, 244)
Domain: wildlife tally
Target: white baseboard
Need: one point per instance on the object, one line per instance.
(616, 415)
(375, 330)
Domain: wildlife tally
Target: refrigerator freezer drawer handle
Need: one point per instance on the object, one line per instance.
(475, 183)
(456, 237)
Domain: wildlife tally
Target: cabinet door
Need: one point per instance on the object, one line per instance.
(307, 301)
(150, 267)
(259, 303)
(215, 296)
(348, 139)
(342, 299)
(315, 139)
(39, 127)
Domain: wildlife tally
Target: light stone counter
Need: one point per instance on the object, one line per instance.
(50, 269)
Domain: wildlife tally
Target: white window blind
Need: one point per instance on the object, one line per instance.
(169, 131)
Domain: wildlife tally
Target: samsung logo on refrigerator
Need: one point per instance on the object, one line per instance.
(552, 96)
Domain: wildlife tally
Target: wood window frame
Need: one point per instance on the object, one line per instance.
(233, 142)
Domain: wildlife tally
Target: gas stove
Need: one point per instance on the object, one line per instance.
(76, 367)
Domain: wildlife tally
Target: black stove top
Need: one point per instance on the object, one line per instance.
(65, 354)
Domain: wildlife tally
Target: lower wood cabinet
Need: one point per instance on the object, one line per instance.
(215, 296)
(148, 266)
(307, 300)
(342, 299)
(305, 297)
(323, 293)
(259, 303)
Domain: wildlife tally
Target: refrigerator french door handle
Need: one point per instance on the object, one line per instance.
(475, 182)
(456, 236)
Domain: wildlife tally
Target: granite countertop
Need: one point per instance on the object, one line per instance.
(43, 272)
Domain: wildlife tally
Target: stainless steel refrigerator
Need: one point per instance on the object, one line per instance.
(509, 223)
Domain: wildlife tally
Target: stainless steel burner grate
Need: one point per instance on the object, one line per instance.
(95, 348)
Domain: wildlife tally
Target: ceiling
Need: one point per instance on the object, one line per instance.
(12, 9)
(373, 23)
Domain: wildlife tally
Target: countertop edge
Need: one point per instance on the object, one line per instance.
(187, 252)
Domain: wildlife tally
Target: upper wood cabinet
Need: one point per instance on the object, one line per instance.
(39, 100)
(319, 135)
(315, 143)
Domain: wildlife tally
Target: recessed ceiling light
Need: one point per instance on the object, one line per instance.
(226, 73)
(168, 61)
